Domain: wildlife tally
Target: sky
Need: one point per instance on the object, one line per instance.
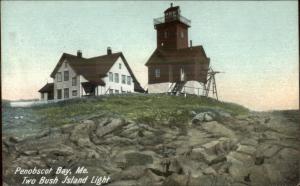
(255, 43)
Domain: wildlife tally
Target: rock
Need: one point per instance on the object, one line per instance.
(240, 158)
(62, 150)
(246, 149)
(270, 151)
(208, 157)
(81, 131)
(113, 125)
(130, 173)
(88, 122)
(92, 154)
(259, 160)
(258, 176)
(193, 113)
(249, 141)
(238, 172)
(176, 180)
(273, 173)
(30, 152)
(133, 159)
(14, 139)
(209, 171)
(211, 146)
(208, 117)
(289, 154)
(218, 129)
(203, 117)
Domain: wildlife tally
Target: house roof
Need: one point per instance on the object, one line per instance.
(95, 68)
(49, 87)
(170, 56)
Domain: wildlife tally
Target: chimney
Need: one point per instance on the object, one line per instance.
(79, 53)
(171, 4)
(109, 51)
(191, 43)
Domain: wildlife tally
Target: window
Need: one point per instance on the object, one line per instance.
(66, 65)
(59, 94)
(128, 80)
(157, 72)
(74, 92)
(166, 34)
(74, 81)
(123, 91)
(182, 34)
(66, 93)
(117, 91)
(111, 91)
(58, 76)
(120, 65)
(116, 77)
(66, 75)
(123, 79)
(111, 76)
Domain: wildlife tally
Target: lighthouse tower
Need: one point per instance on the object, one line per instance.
(174, 66)
(172, 29)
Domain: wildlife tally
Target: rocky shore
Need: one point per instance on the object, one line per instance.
(213, 148)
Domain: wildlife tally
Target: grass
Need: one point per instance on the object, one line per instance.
(150, 109)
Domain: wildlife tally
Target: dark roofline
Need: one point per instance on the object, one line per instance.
(63, 56)
(137, 86)
(47, 88)
(192, 60)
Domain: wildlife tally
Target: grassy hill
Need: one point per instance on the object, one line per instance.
(138, 107)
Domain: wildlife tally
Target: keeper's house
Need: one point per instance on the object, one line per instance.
(76, 76)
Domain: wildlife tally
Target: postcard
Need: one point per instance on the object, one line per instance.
(150, 93)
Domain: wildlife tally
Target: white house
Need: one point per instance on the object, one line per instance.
(76, 76)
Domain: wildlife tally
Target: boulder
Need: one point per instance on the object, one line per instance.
(250, 150)
(240, 158)
(203, 117)
(61, 150)
(113, 125)
(208, 157)
(209, 171)
(218, 129)
(239, 172)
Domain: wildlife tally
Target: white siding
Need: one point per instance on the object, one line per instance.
(44, 96)
(66, 84)
(117, 86)
(100, 90)
(191, 87)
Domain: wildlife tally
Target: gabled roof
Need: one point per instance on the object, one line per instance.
(49, 87)
(185, 55)
(95, 68)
